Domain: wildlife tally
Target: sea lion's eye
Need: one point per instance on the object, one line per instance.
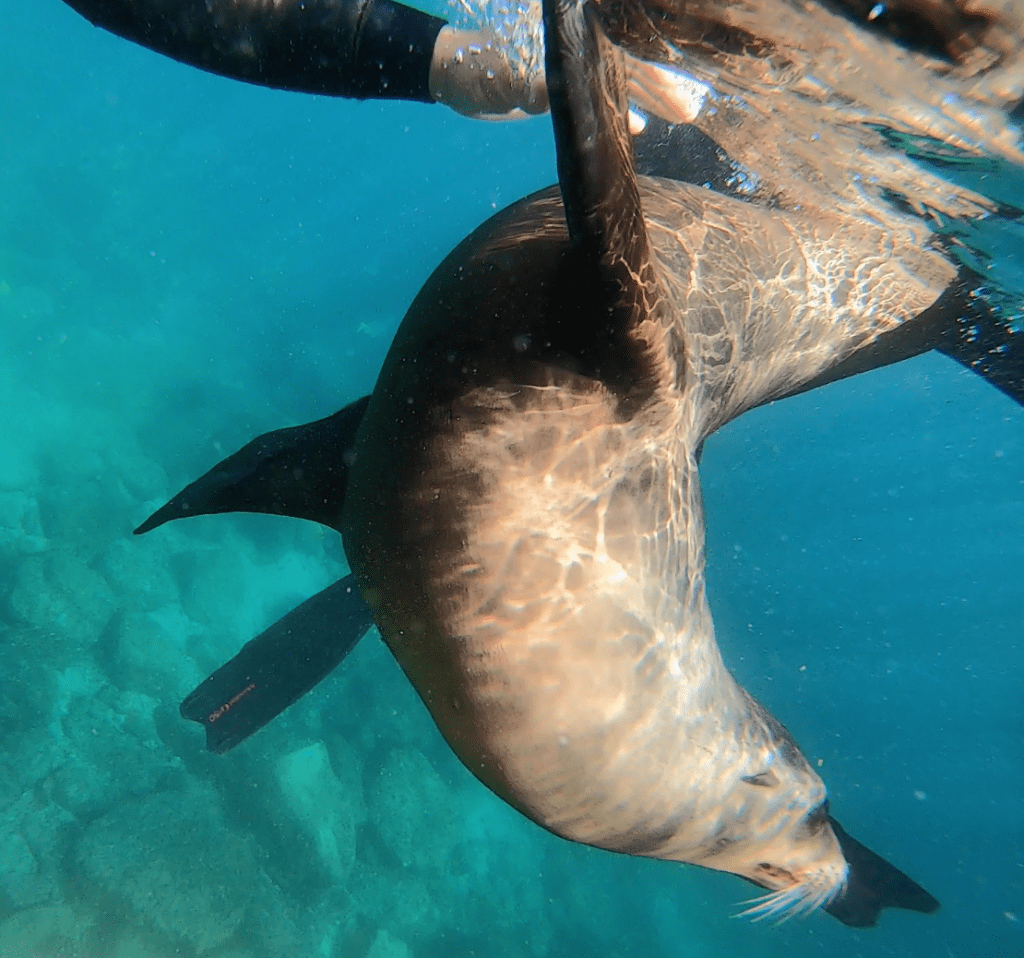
(765, 779)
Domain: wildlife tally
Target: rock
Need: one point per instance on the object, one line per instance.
(21, 532)
(55, 931)
(389, 898)
(274, 929)
(20, 876)
(230, 953)
(385, 945)
(148, 653)
(60, 595)
(29, 851)
(213, 582)
(372, 700)
(17, 468)
(133, 943)
(81, 501)
(27, 695)
(326, 811)
(178, 866)
(113, 753)
(413, 810)
(139, 570)
(143, 478)
(347, 764)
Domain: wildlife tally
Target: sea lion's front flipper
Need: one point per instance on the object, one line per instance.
(961, 324)
(300, 472)
(873, 884)
(596, 176)
(279, 666)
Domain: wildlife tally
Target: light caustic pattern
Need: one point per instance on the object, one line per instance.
(517, 25)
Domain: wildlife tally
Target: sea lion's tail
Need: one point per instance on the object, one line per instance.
(873, 884)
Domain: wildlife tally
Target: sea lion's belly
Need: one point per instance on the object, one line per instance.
(545, 594)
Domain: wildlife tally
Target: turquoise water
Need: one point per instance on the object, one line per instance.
(186, 262)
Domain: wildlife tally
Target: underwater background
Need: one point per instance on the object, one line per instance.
(186, 262)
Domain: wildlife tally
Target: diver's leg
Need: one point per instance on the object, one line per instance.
(365, 49)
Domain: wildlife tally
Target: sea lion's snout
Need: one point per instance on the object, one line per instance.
(797, 890)
(802, 867)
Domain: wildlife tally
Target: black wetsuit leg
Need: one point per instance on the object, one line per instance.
(366, 49)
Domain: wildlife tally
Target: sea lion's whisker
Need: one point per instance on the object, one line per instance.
(796, 901)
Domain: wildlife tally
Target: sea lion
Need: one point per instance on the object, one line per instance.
(523, 511)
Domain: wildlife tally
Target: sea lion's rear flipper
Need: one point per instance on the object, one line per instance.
(300, 472)
(596, 176)
(873, 884)
(990, 343)
(279, 666)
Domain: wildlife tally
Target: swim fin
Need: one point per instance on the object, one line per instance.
(873, 884)
(279, 666)
(301, 471)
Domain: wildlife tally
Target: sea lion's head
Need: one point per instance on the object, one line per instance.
(773, 826)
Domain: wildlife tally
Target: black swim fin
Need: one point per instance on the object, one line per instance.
(279, 666)
(301, 472)
(873, 884)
